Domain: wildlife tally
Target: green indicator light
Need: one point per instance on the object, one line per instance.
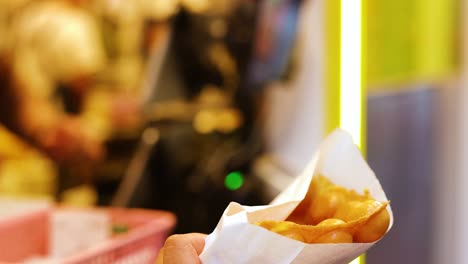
(234, 180)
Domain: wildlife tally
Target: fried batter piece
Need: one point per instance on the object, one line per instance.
(333, 214)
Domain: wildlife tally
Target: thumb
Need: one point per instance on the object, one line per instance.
(182, 249)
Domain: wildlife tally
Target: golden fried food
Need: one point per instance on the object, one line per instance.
(333, 214)
(374, 228)
(334, 237)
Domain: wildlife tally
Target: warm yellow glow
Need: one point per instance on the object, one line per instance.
(351, 70)
(356, 261)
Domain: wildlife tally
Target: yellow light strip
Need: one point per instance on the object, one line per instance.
(332, 43)
(351, 84)
(351, 68)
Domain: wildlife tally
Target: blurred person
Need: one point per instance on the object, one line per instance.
(54, 51)
(68, 82)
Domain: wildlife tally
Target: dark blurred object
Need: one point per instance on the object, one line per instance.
(46, 71)
(8, 112)
(190, 174)
(274, 39)
(215, 47)
(208, 130)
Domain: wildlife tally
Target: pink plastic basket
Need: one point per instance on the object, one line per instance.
(24, 235)
(27, 235)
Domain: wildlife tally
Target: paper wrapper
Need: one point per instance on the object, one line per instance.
(237, 240)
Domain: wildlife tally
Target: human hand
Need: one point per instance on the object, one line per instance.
(69, 142)
(182, 249)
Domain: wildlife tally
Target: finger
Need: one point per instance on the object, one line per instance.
(183, 249)
(160, 258)
(197, 240)
(178, 244)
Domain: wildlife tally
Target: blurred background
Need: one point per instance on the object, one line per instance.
(186, 105)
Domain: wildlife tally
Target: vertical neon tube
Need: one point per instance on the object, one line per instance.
(351, 68)
(351, 84)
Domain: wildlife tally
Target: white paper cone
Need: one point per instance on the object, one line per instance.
(237, 240)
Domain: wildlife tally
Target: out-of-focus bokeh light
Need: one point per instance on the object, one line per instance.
(234, 181)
